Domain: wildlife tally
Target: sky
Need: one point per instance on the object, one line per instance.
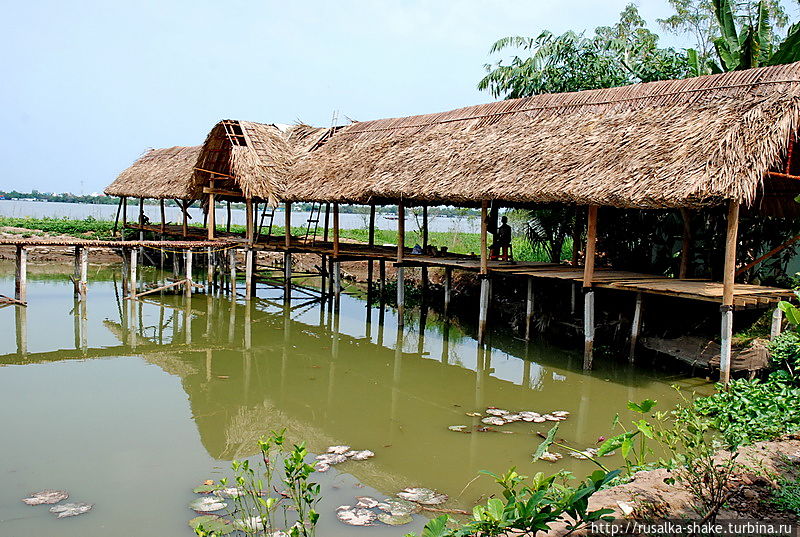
(90, 85)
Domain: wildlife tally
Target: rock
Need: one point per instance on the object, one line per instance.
(250, 524)
(71, 509)
(322, 467)
(625, 508)
(331, 458)
(229, 492)
(47, 496)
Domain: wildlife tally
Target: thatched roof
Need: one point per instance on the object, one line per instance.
(674, 143)
(258, 157)
(159, 173)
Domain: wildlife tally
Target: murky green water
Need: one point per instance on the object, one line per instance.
(129, 406)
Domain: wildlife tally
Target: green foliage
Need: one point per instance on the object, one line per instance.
(528, 506)
(634, 441)
(87, 228)
(616, 55)
(787, 496)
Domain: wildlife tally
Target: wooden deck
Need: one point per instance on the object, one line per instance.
(745, 295)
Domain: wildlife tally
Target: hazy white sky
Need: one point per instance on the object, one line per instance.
(89, 85)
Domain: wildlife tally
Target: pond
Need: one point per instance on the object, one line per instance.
(131, 405)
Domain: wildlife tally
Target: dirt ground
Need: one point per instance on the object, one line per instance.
(647, 496)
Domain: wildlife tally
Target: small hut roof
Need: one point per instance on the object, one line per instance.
(258, 157)
(673, 143)
(159, 173)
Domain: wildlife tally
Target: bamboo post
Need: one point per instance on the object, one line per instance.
(588, 296)
(424, 270)
(212, 213)
(228, 218)
(337, 283)
(21, 322)
(83, 274)
(141, 222)
(287, 255)
(248, 273)
(777, 324)
(448, 288)
(686, 244)
(163, 215)
(401, 238)
(124, 215)
(529, 310)
(134, 263)
(727, 292)
(21, 279)
(249, 220)
(371, 242)
(76, 274)
(483, 314)
(188, 288)
(636, 327)
(232, 266)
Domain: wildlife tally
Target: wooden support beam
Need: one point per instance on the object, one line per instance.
(163, 216)
(335, 230)
(213, 173)
(21, 278)
(636, 327)
(287, 271)
(484, 239)
(249, 225)
(686, 244)
(248, 273)
(777, 324)
(83, 273)
(188, 288)
(223, 192)
(731, 238)
(116, 218)
(401, 230)
(124, 214)
(134, 263)
(228, 217)
(591, 243)
(287, 224)
(371, 231)
(337, 279)
(212, 213)
(448, 288)
(211, 268)
(184, 205)
(382, 279)
(529, 310)
(424, 270)
(768, 255)
(327, 222)
(401, 295)
(232, 268)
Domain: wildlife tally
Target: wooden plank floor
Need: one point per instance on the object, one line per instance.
(745, 295)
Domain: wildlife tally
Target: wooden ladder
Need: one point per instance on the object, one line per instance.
(313, 218)
(266, 214)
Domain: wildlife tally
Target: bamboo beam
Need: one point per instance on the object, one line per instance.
(591, 242)
(768, 255)
(214, 173)
(779, 175)
(228, 218)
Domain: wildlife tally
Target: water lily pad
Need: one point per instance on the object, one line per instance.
(539, 419)
(207, 504)
(458, 428)
(229, 492)
(510, 418)
(322, 467)
(399, 507)
(422, 496)
(48, 496)
(205, 489)
(394, 520)
(71, 509)
(356, 516)
(550, 457)
(361, 455)
(497, 411)
(217, 524)
(560, 413)
(366, 502)
(474, 414)
(494, 420)
(339, 450)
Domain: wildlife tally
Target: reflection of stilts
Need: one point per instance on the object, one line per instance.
(209, 314)
(446, 342)
(161, 323)
(248, 326)
(83, 314)
(396, 379)
(21, 321)
(334, 359)
(381, 323)
(423, 318)
(232, 319)
(209, 357)
(482, 356)
(187, 318)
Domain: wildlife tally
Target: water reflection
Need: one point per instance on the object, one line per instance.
(323, 371)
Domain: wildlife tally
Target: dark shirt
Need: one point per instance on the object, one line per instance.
(503, 237)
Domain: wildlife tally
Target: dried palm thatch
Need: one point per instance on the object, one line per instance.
(160, 174)
(677, 143)
(254, 158)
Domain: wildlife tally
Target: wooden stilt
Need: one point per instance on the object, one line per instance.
(777, 324)
(484, 238)
(337, 279)
(287, 270)
(448, 288)
(483, 314)
(588, 297)
(21, 322)
(529, 310)
(323, 272)
(141, 223)
(382, 279)
(211, 269)
(248, 273)
(287, 225)
(83, 274)
(232, 267)
(21, 279)
(636, 327)
(124, 215)
(686, 244)
(116, 218)
(249, 224)
(228, 218)
(134, 264)
(212, 213)
(401, 238)
(76, 274)
(401, 294)
(424, 270)
(727, 292)
(163, 211)
(184, 205)
(188, 268)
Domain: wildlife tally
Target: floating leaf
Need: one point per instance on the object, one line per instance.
(249, 524)
(361, 455)
(398, 507)
(71, 509)
(207, 504)
(213, 523)
(458, 428)
(394, 520)
(474, 414)
(339, 450)
(510, 418)
(229, 492)
(422, 496)
(366, 502)
(205, 489)
(560, 413)
(497, 411)
(356, 516)
(48, 496)
(550, 457)
(331, 458)
(493, 420)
